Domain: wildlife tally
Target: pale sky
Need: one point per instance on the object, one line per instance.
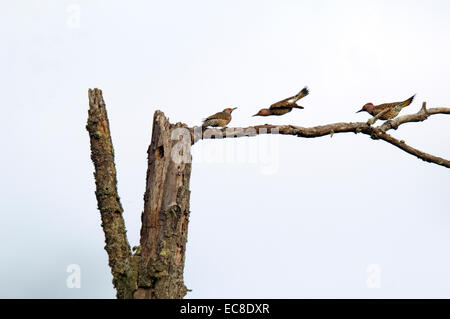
(336, 217)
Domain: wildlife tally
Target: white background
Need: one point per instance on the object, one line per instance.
(310, 228)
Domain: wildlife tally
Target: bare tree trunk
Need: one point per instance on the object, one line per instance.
(156, 269)
(102, 155)
(166, 212)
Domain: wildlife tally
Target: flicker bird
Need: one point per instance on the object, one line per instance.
(284, 106)
(220, 119)
(394, 108)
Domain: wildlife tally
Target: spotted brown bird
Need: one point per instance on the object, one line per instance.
(284, 106)
(220, 119)
(394, 108)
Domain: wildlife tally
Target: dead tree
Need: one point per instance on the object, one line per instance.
(155, 268)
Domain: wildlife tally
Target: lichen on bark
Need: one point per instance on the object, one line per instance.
(108, 200)
(155, 270)
(165, 216)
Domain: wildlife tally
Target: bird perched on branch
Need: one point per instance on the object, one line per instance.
(220, 119)
(284, 106)
(392, 109)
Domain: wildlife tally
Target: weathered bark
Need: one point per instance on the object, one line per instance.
(156, 269)
(102, 155)
(166, 212)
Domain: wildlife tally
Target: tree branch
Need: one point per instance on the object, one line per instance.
(372, 120)
(378, 132)
(102, 155)
(165, 217)
(420, 116)
(413, 151)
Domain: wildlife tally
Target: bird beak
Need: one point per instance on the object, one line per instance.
(234, 108)
(360, 111)
(255, 114)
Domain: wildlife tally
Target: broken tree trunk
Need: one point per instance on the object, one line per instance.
(166, 211)
(102, 155)
(156, 269)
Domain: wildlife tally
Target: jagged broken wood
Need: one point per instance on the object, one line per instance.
(165, 217)
(155, 270)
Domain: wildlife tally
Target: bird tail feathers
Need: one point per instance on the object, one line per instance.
(304, 92)
(408, 101)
